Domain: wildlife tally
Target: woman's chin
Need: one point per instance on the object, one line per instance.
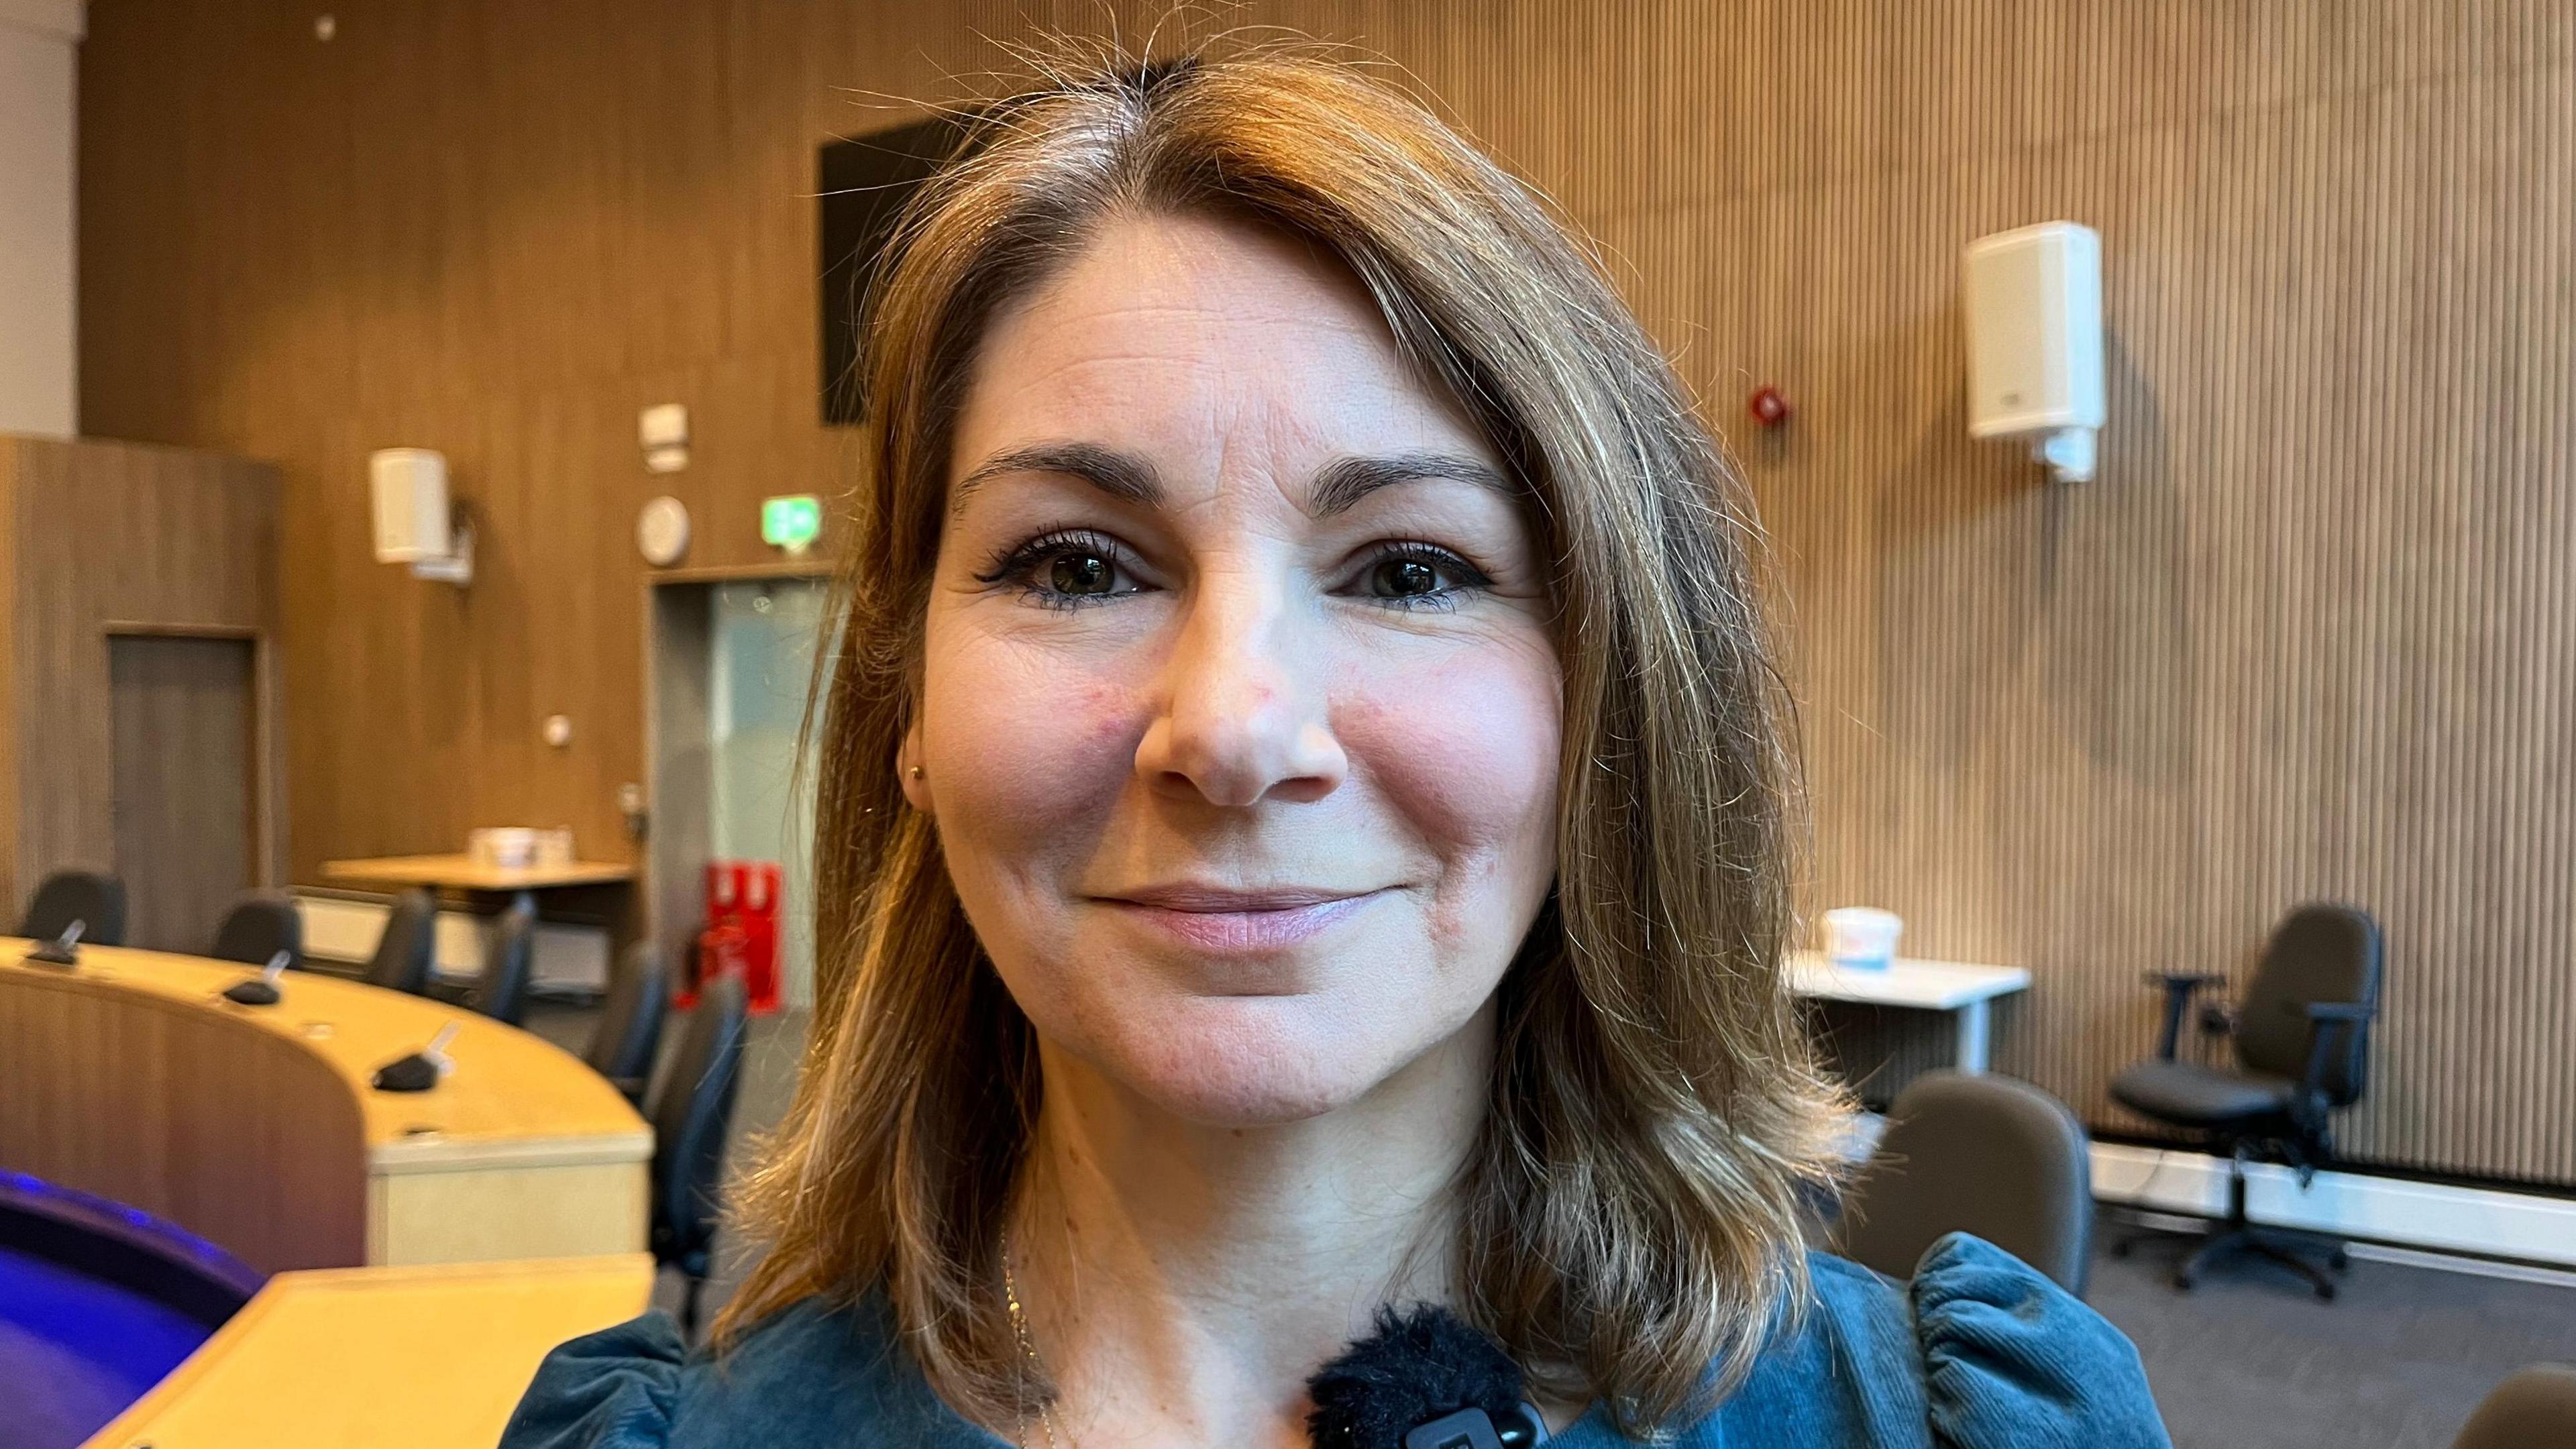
(1250, 1061)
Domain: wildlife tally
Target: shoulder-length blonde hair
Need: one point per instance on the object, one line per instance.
(1631, 1220)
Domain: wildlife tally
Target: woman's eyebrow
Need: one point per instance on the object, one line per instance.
(1120, 475)
(1343, 482)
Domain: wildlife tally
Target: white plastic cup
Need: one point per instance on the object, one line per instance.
(1862, 939)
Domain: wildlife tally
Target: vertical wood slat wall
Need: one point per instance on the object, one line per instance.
(2306, 636)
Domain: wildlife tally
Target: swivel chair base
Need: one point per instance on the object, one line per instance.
(2280, 1247)
(2292, 1248)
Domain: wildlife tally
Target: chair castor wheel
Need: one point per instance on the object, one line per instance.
(2326, 1292)
(2339, 1260)
(2122, 1248)
(2184, 1281)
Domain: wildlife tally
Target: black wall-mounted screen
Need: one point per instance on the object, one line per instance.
(863, 182)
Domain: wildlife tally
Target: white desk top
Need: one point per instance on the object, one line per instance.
(1925, 985)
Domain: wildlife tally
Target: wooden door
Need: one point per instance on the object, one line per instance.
(186, 782)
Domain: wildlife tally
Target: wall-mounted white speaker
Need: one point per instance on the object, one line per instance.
(411, 504)
(415, 523)
(2033, 299)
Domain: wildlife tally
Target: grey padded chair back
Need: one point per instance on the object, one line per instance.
(2533, 1406)
(407, 950)
(630, 1023)
(259, 926)
(690, 1114)
(1985, 1155)
(2321, 952)
(94, 898)
(501, 991)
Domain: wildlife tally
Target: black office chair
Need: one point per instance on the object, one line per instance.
(509, 960)
(2533, 1406)
(408, 949)
(1975, 1154)
(94, 898)
(2302, 1038)
(259, 926)
(691, 1112)
(630, 1023)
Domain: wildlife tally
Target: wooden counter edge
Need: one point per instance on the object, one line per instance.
(219, 1348)
(460, 872)
(441, 1153)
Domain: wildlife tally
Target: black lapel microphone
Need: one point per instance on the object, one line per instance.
(1422, 1379)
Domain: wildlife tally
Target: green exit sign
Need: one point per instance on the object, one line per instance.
(791, 521)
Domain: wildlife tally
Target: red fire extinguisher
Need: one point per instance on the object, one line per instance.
(741, 935)
(759, 921)
(720, 942)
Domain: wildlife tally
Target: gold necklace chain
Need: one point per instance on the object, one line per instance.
(1029, 1360)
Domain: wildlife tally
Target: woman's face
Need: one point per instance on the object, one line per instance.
(1240, 712)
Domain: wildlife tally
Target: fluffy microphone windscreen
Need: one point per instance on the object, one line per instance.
(1414, 1367)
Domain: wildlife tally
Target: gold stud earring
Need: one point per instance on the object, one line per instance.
(916, 772)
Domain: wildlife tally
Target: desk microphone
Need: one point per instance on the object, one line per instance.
(63, 950)
(1422, 1379)
(260, 990)
(422, 1069)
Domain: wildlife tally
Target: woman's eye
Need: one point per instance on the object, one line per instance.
(1083, 572)
(1418, 576)
(1065, 570)
(1403, 578)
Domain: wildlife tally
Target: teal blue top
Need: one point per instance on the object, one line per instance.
(1977, 1352)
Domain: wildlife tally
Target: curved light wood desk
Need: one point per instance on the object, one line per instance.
(427, 1358)
(255, 1127)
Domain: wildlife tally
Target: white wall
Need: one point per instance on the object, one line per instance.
(39, 63)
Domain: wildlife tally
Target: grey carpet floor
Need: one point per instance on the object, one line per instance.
(2249, 1360)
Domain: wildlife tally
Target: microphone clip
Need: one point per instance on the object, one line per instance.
(1475, 1429)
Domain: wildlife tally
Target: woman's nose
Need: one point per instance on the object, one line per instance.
(1244, 716)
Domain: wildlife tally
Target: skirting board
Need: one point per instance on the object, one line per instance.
(2520, 1226)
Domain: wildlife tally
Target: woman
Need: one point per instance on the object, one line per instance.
(1302, 829)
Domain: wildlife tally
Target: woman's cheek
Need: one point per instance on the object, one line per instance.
(1465, 750)
(1021, 748)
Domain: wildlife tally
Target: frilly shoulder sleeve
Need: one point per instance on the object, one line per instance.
(613, 1389)
(2012, 1361)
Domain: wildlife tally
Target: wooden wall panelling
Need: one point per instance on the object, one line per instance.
(120, 538)
(11, 647)
(2304, 636)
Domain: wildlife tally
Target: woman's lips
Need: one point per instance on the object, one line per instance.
(1224, 921)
